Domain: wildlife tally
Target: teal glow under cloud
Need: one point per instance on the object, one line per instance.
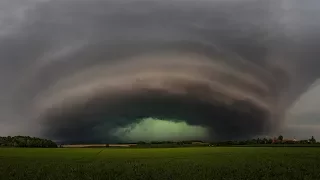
(151, 129)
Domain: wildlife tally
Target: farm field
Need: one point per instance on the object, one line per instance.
(239, 163)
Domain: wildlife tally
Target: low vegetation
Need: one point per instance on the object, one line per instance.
(201, 163)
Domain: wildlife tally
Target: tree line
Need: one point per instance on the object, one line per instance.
(171, 142)
(278, 140)
(26, 141)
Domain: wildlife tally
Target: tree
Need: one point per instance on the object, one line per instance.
(258, 141)
(280, 138)
(313, 140)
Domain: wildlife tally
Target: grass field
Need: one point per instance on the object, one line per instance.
(252, 163)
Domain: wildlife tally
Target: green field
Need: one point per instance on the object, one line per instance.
(161, 163)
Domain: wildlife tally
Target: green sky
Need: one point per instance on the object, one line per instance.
(150, 129)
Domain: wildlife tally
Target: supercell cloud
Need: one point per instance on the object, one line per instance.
(79, 70)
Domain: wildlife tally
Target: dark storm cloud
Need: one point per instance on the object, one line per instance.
(79, 69)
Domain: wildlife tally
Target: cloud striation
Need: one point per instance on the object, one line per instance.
(77, 70)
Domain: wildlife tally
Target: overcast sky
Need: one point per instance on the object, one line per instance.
(302, 120)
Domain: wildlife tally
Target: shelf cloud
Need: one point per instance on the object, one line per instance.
(78, 70)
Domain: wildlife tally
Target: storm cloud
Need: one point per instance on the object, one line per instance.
(77, 70)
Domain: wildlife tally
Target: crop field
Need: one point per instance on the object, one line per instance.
(236, 163)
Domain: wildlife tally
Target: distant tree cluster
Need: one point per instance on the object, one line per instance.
(259, 141)
(26, 141)
(171, 142)
(279, 140)
(168, 144)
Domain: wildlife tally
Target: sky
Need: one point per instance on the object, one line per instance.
(107, 70)
(161, 130)
(303, 119)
